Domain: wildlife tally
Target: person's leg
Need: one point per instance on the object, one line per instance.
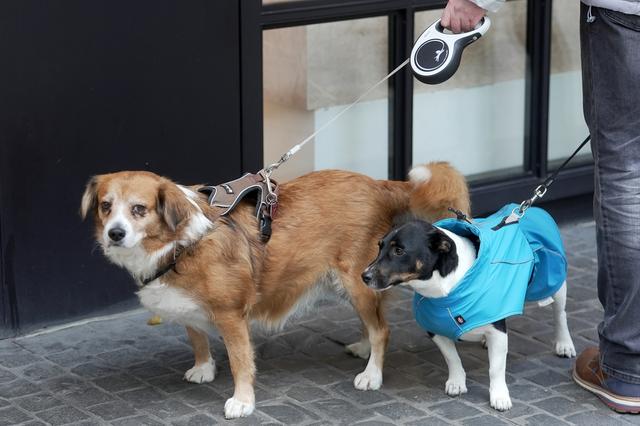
(611, 72)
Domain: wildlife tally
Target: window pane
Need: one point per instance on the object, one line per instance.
(310, 74)
(566, 121)
(475, 120)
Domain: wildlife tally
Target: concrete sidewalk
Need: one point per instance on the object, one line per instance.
(124, 372)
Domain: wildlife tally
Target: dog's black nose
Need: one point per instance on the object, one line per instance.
(116, 234)
(367, 276)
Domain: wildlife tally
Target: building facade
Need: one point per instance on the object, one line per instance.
(202, 91)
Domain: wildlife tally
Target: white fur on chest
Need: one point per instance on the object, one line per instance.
(173, 304)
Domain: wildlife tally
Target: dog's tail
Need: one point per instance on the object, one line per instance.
(437, 186)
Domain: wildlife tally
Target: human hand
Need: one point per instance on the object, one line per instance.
(461, 15)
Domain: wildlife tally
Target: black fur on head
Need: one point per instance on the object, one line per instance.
(412, 251)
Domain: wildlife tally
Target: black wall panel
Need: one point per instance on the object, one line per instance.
(92, 86)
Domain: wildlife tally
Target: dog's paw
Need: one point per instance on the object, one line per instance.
(455, 387)
(565, 348)
(235, 408)
(360, 349)
(202, 373)
(368, 380)
(500, 399)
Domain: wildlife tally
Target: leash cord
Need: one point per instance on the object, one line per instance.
(541, 190)
(287, 155)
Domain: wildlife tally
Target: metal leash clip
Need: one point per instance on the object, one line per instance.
(538, 193)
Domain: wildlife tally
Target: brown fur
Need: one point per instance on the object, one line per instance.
(327, 222)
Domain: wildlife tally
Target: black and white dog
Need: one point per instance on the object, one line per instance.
(433, 261)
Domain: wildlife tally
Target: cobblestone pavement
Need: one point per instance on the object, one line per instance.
(124, 372)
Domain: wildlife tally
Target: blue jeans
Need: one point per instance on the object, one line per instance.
(611, 88)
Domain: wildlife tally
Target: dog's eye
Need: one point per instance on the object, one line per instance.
(105, 206)
(139, 210)
(398, 251)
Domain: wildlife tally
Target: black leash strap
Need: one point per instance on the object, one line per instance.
(547, 183)
(541, 190)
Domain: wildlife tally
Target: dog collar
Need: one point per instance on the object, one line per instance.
(171, 266)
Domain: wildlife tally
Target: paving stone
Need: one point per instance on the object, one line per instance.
(361, 397)
(195, 420)
(324, 376)
(70, 358)
(38, 402)
(61, 415)
(454, 410)
(3, 403)
(137, 421)
(544, 420)
(399, 411)
(527, 392)
(285, 413)
(593, 419)
(117, 383)
(483, 421)
(89, 396)
(548, 378)
(17, 388)
(42, 371)
(142, 397)
(6, 376)
(18, 359)
(113, 410)
(342, 410)
(171, 383)
(93, 370)
(198, 395)
(559, 406)
(150, 371)
(306, 393)
(373, 423)
(429, 420)
(168, 408)
(12, 416)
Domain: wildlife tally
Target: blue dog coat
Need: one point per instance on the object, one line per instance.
(521, 261)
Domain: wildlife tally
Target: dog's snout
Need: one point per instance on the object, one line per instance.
(367, 276)
(117, 234)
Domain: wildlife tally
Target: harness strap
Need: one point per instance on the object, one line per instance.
(226, 196)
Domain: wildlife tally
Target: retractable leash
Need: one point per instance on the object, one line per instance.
(435, 57)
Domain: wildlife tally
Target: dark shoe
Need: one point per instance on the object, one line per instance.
(588, 374)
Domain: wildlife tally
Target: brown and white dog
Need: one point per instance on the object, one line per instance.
(324, 234)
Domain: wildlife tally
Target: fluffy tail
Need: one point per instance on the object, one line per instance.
(437, 186)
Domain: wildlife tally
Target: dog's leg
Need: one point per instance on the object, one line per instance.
(497, 342)
(456, 384)
(204, 369)
(563, 344)
(234, 329)
(361, 348)
(368, 304)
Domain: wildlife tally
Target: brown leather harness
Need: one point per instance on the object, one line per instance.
(226, 196)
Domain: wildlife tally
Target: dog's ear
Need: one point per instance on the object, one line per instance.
(89, 198)
(445, 249)
(172, 205)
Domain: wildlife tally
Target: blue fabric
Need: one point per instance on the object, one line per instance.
(521, 261)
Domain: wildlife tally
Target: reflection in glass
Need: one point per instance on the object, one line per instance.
(566, 120)
(310, 74)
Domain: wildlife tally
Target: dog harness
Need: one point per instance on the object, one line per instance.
(226, 196)
(516, 262)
